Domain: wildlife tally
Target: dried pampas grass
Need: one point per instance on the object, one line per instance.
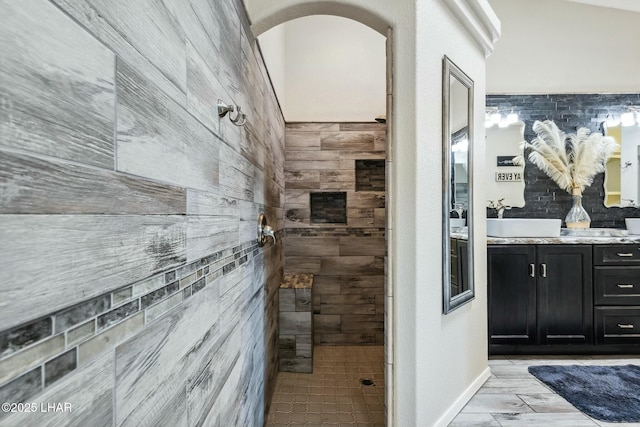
(573, 160)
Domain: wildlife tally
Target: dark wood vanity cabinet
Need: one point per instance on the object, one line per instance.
(617, 294)
(540, 295)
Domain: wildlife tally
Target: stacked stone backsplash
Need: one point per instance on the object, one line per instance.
(543, 197)
(347, 259)
(133, 289)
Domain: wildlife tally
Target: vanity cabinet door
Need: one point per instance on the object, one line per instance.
(565, 294)
(512, 294)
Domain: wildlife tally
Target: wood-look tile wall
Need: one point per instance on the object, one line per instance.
(128, 213)
(347, 260)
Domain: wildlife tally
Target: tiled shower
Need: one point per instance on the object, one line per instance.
(335, 226)
(132, 276)
(133, 291)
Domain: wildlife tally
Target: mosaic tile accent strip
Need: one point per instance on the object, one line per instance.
(90, 327)
(335, 232)
(370, 175)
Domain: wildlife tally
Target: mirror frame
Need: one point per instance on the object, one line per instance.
(449, 70)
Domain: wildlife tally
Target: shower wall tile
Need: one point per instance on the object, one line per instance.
(130, 205)
(184, 152)
(13, 340)
(145, 36)
(347, 259)
(88, 391)
(69, 188)
(16, 363)
(71, 265)
(40, 113)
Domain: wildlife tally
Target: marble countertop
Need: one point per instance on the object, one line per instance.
(567, 237)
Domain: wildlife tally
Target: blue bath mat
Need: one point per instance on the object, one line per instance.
(607, 393)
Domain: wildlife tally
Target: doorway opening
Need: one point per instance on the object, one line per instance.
(329, 153)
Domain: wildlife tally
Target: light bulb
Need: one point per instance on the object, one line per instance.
(512, 118)
(627, 119)
(495, 118)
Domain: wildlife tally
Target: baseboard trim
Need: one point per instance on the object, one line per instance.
(457, 406)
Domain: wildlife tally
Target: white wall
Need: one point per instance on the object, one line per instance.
(329, 69)
(554, 46)
(438, 360)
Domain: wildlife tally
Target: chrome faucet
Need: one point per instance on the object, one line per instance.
(499, 207)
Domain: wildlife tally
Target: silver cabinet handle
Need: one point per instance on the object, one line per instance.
(543, 270)
(627, 326)
(623, 286)
(532, 270)
(626, 254)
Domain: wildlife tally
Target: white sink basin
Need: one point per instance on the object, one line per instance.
(523, 227)
(457, 222)
(633, 225)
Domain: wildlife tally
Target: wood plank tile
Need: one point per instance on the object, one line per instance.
(40, 62)
(366, 199)
(204, 203)
(316, 155)
(206, 235)
(147, 376)
(297, 198)
(302, 141)
(79, 257)
(237, 175)
(36, 186)
(298, 264)
(88, 390)
(313, 126)
(158, 139)
(312, 246)
(375, 246)
(365, 126)
(146, 37)
(293, 165)
(351, 265)
(347, 141)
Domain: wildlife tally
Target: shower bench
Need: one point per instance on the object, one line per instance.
(295, 345)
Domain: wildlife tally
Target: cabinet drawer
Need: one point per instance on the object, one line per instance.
(617, 325)
(616, 255)
(617, 286)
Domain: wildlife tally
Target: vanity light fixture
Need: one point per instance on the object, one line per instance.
(627, 119)
(223, 109)
(493, 117)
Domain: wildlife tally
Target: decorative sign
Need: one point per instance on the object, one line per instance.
(508, 176)
(505, 161)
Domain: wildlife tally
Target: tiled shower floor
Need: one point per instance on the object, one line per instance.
(332, 394)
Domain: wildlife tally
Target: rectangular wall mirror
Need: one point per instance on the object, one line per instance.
(622, 173)
(457, 186)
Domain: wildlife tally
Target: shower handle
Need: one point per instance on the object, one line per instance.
(265, 231)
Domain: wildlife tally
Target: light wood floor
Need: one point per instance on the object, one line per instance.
(514, 397)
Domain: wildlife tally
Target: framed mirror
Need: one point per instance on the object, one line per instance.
(622, 170)
(457, 186)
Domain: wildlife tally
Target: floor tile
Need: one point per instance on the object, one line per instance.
(474, 420)
(333, 394)
(495, 403)
(575, 419)
(549, 402)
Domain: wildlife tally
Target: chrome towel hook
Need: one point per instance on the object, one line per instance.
(239, 120)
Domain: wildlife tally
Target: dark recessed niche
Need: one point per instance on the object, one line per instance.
(329, 208)
(369, 175)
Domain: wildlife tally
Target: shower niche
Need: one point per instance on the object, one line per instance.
(329, 208)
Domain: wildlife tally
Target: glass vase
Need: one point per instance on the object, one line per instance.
(577, 216)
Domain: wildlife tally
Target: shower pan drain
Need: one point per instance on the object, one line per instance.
(367, 382)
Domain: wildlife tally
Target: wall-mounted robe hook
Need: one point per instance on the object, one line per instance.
(239, 120)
